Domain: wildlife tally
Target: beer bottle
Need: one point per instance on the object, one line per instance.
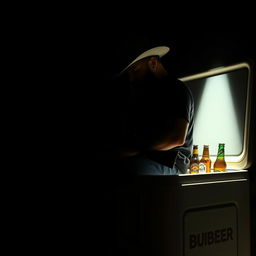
(194, 161)
(220, 163)
(205, 161)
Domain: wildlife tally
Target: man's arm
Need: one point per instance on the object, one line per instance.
(173, 136)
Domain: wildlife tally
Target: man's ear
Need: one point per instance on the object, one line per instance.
(152, 63)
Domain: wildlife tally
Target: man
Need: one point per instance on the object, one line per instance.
(146, 128)
(156, 115)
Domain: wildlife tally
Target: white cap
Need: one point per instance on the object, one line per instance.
(156, 51)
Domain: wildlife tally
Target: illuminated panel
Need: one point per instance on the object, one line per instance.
(217, 122)
(221, 112)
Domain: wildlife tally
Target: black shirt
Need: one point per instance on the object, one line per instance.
(176, 102)
(141, 112)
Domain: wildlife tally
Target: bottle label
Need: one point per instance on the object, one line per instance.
(194, 168)
(220, 153)
(202, 168)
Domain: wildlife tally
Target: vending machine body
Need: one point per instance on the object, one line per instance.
(204, 214)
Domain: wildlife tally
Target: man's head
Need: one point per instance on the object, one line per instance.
(147, 64)
(146, 69)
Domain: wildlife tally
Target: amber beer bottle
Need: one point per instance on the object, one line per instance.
(220, 164)
(205, 161)
(194, 161)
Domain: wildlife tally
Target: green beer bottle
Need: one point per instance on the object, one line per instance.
(220, 164)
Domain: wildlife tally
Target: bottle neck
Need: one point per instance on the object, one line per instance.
(221, 153)
(206, 152)
(195, 152)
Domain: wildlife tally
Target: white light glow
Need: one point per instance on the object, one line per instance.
(215, 120)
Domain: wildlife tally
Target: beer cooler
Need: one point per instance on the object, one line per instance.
(205, 213)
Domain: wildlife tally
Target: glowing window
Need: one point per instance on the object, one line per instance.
(221, 111)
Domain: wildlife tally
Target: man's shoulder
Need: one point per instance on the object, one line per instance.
(177, 84)
(185, 88)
